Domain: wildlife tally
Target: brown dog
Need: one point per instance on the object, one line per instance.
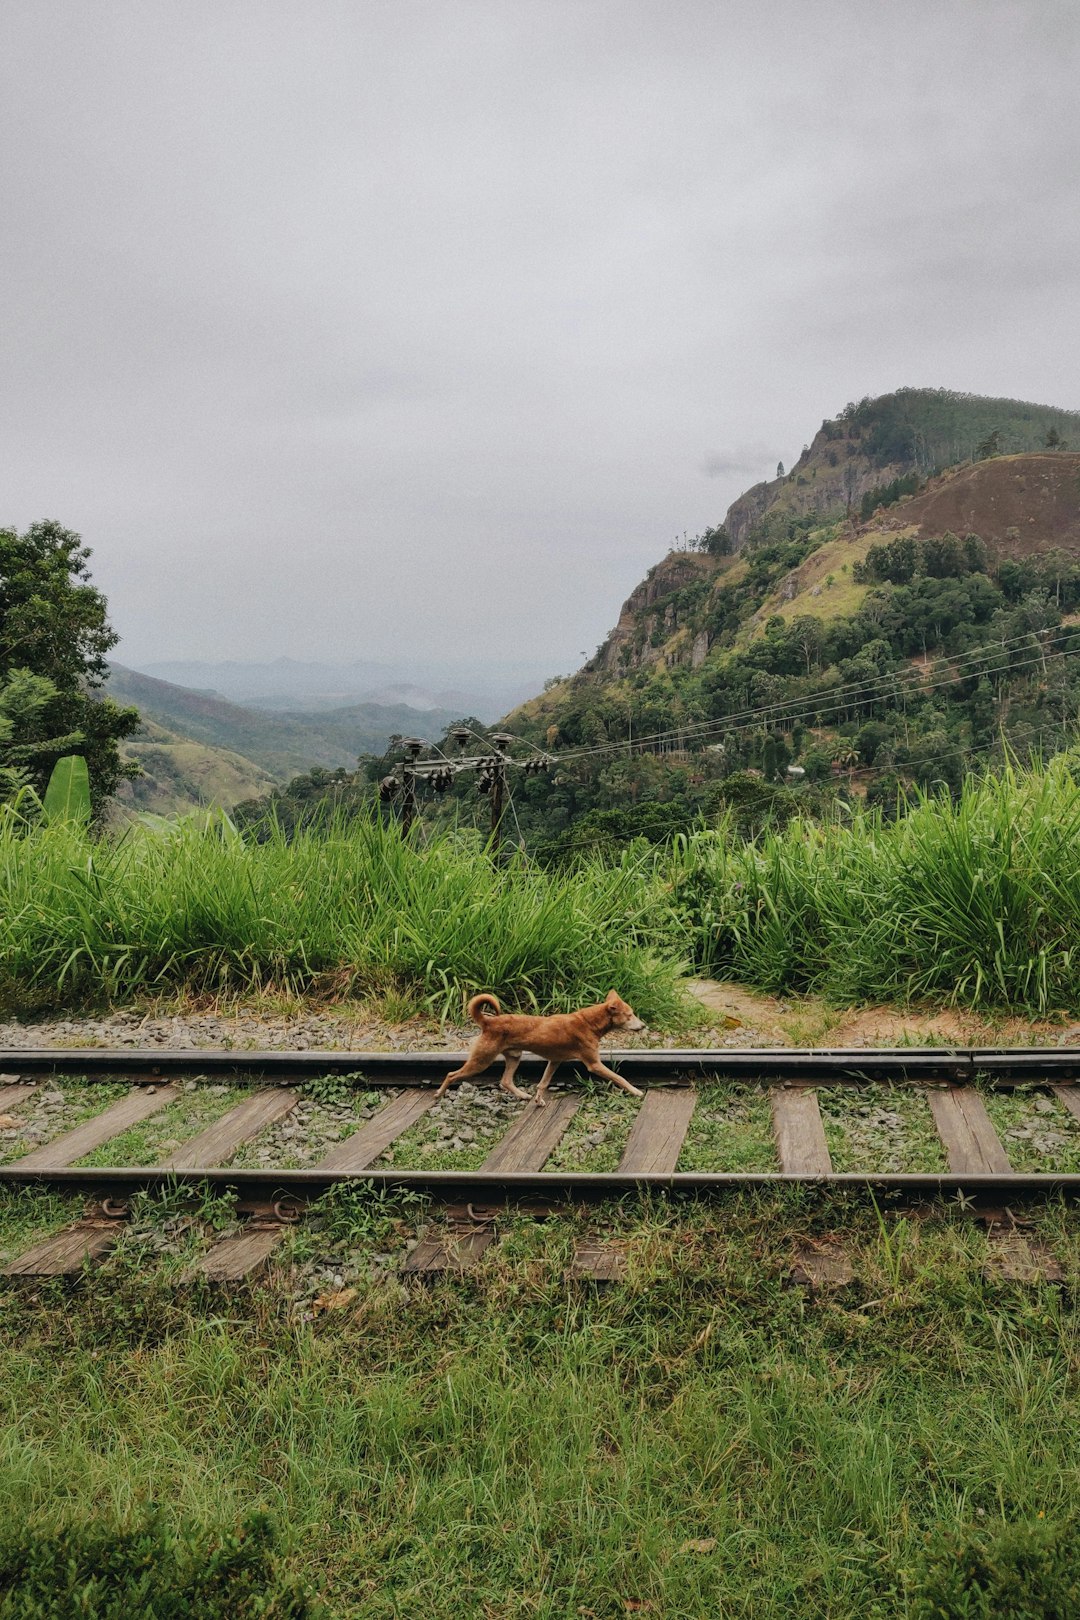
(561, 1039)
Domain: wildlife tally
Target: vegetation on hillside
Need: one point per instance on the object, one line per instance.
(278, 742)
(937, 427)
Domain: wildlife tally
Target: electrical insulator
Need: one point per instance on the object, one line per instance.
(388, 787)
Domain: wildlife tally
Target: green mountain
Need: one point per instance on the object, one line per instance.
(281, 745)
(890, 610)
(873, 442)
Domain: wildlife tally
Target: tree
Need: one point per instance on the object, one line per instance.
(23, 699)
(1053, 440)
(779, 469)
(990, 446)
(53, 627)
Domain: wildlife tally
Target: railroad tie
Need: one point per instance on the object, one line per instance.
(969, 1139)
(1015, 1254)
(12, 1093)
(652, 1147)
(657, 1134)
(241, 1254)
(66, 1253)
(1070, 1096)
(820, 1263)
(799, 1133)
(527, 1145)
(533, 1137)
(598, 1260)
(219, 1141)
(137, 1105)
(364, 1146)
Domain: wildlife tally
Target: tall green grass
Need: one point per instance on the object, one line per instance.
(974, 902)
(351, 908)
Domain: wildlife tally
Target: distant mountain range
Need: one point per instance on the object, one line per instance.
(198, 748)
(294, 686)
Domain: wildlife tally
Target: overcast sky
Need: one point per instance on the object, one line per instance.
(343, 330)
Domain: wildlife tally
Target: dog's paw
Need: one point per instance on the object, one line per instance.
(541, 1102)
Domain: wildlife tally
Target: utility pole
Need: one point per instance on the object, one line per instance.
(413, 747)
(492, 778)
(502, 741)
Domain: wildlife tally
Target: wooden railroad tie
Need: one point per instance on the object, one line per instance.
(527, 1145)
(800, 1135)
(653, 1145)
(219, 1141)
(66, 1253)
(12, 1093)
(971, 1142)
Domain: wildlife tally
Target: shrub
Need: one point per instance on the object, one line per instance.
(1021, 1572)
(96, 1572)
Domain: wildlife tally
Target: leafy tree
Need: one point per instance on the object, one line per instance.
(990, 446)
(23, 699)
(53, 626)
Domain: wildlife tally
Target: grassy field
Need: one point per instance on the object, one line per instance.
(701, 1440)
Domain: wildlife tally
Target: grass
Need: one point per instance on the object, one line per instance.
(353, 909)
(974, 903)
(1038, 1133)
(879, 1129)
(699, 1440)
(730, 1129)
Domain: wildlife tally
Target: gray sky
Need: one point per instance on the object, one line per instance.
(342, 330)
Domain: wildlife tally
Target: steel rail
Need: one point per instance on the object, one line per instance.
(822, 1066)
(259, 1186)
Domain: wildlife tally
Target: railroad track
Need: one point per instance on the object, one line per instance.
(270, 1198)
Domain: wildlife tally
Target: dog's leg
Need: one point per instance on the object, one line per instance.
(609, 1074)
(481, 1055)
(507, 1081)
(545, 1080)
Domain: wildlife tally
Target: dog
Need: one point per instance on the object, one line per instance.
(561, 1038)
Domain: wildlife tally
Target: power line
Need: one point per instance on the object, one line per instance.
(843, 698)
(861, 691)
(934, 759)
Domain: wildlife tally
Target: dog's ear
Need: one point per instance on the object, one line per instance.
(612, 998)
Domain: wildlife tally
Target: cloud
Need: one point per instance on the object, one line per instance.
(751, 463)
(344, 330)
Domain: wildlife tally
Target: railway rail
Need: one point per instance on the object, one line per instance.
(953, 1079)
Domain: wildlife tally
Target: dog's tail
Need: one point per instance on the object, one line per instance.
(482, 1001)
